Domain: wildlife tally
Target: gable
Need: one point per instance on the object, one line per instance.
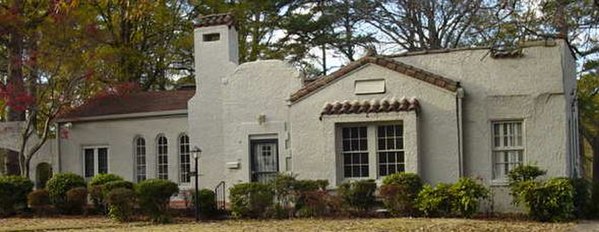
(388, 63)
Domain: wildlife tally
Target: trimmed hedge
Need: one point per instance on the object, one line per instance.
(121, 202)
(59, 185)
(435, 201)
(76, 200)
(39, 201)
(13, 194)
(95, 188)
(154, 196)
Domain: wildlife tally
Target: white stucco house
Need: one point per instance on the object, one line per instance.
(442, 114)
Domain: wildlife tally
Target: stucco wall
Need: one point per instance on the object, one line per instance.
(118, 136)
(437, 132)
(530, 88)
(254, 89)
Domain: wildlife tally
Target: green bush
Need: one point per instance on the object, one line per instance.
(95, 188)
(250, 199)
(76, 200)
(153, 196)
(466, 194)
(39, 201)
(13, 194)
(58, 186)
(358, 195)
(207, 206)
(551, 200)
(522, 174)
(106, 188)
(121, 202)
(399, 192)
(582, 197)
(437, 201)
(104, 178)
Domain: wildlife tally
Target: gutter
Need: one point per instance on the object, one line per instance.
(126, 116)
(58, 159)
(460, 127)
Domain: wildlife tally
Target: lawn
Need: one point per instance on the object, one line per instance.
(393, 224)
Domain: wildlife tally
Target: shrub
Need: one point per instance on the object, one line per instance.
(121, 202)
(466, 194)
(437, 201)
(39, 201)
(582, 197)
(76, 200)
(104, 178)
(358, 195)
(95, 186)
(58, 186)
(593, 206)
(106, 188)
(250, 199)
(399, 192)
(207, 206)
(291, 194)
(13, 194)
(154, 196)
(522, 174)
(551, 200)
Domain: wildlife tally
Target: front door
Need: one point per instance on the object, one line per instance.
(265, 161)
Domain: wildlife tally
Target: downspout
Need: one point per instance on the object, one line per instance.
(58, 159)
(460, 127)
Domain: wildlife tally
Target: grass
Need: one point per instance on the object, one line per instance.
(391, 224)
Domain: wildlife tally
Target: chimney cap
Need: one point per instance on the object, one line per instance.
(215, 20)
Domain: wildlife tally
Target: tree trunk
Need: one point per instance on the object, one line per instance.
(15, 80)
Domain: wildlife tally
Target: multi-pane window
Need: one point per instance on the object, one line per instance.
(184, 159)
(508, 147)
(355, 152)
(162, 155)
(95, 161)
(140, 159)
(390, 151)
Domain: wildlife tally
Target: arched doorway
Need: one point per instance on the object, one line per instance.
(43, 172)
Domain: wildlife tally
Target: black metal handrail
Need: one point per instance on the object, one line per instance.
(219, 190)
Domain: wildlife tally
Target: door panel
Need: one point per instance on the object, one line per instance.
(265, 162)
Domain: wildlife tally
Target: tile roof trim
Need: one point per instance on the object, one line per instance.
(124, 116)
(216, 20)
(385, 62)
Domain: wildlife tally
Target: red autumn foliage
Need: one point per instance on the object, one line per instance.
(16, 97)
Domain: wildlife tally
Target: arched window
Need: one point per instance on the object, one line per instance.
(184, 159)
(162, 156)
(140, 159)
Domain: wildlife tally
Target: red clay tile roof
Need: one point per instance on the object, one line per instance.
(370, 106)
(385, 62)
(137, 102)
(216, 19)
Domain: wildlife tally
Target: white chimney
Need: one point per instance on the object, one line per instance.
(215, 48)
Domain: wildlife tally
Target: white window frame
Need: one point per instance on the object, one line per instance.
(136, 155)
(159, 174)
(400, 166)
(180, 159)
(512, 162)
(96, 163)
(372, 144)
